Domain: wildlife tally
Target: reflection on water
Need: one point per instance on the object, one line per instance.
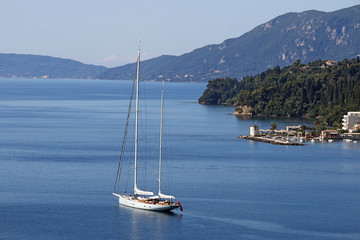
(137, 222)
(350, 145)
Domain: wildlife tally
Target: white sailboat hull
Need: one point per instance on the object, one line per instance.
(130, 201)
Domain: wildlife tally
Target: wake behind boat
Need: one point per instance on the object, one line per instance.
(141, 199)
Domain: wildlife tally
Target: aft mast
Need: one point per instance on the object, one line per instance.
(160, 154)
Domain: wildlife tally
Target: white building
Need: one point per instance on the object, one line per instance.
(350, 120)
(293, 128)
(254, 131)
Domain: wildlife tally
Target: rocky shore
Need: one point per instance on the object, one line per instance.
(271, 140)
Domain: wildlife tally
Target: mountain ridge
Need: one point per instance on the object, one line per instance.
(308, 36)
(40, 66)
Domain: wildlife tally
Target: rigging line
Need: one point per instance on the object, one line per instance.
(124, 140)
(167, 161)
(127, 187)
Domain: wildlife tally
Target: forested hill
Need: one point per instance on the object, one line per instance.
(324, 89)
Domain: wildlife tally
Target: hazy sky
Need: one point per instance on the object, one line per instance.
(106, 32)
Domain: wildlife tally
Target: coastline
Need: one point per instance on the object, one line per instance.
(271, 141)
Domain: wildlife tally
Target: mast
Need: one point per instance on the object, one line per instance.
(161, 195)
(136, 118)
(161, 126)
(137, 191)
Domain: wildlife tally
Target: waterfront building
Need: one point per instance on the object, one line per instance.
(254, 131)
(329, 134)
(350, 120)
(293, 128)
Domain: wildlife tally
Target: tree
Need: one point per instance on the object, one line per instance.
(297, 62)
(273, 125)
(219, 91)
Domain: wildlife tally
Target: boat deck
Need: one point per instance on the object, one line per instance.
(146, 203)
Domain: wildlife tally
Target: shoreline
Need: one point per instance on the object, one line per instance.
(271, 141)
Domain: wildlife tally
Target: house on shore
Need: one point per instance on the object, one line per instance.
(329, 134)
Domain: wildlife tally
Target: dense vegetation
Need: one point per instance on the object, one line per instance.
(318, 89)
(220, 91)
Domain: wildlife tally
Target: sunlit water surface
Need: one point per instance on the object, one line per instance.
(60, 142)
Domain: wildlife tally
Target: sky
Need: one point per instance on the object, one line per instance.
(106, 32)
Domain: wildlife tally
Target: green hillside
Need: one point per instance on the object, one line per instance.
(323, 89)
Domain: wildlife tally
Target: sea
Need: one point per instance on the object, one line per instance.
(60, 142)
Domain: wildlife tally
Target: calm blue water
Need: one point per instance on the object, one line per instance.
(59, 148)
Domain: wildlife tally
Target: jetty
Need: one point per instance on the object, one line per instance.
(297, 135)
(271, 140)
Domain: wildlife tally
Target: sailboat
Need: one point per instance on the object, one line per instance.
(142, 199)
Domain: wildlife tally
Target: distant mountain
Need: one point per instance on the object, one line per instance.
(29, 66)
(307, 36)
(149, 68)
